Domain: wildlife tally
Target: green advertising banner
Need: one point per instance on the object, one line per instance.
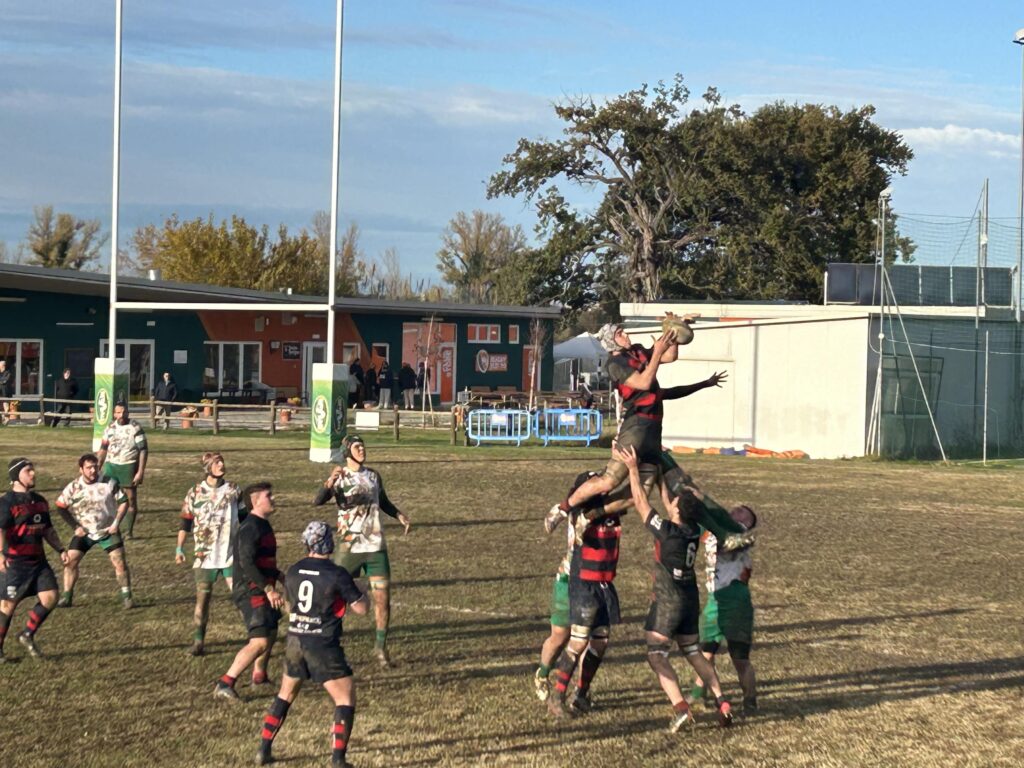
(328, 412)
(111, 384)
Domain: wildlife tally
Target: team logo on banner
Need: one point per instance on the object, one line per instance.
(102, 406)
(320, 415)
(339, 414)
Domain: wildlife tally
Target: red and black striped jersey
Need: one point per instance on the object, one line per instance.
(598, 556)
(24, 519)
(319, 593)
(255, 556)
(636, 402)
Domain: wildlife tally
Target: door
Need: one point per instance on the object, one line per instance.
(312, 352)
(446, 372)
(140, 364)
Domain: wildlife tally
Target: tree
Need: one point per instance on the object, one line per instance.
(474, 249)
(351, 263)
(708, 201)
(63, 241)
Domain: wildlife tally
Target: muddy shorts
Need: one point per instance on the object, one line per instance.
(319, 662)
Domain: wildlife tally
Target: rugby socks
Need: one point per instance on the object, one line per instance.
(697, 692)
(129, 522)
(544, 670)
(273, 721)
(5, 623)
(259, 677)
(563, 672)
(680, 706)
(36, 617)
(382, 639)
(228, 680)
(591, 661)
(340, 733)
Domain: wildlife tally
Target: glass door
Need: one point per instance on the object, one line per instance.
(140, 364)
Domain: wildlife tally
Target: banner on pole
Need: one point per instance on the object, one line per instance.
(328, 412)
(111, 385)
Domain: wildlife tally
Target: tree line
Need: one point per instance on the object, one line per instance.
(692, 202)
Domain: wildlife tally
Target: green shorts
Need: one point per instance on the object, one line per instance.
(728, 615)
(108, 543)
(210, 575)
(560, 602)
(123, 473)
(373, 564)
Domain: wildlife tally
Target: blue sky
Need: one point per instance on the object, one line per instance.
(227, 105)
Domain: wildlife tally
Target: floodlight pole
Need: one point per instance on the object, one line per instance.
(333, 256)
(1019, 40)
(115, 196)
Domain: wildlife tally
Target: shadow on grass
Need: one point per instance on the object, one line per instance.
(856, 621)
(474, 580)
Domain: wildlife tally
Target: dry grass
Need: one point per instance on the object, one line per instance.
(889, 621)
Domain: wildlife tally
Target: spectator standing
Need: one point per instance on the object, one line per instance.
(6, 388)
(372, 384)
(65, 389)
(407, 383)
(386, 381)
(167, 391)
(356, 370)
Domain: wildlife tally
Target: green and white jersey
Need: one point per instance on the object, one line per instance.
(122, 442)
(213, 511)
(723, 568)
(92, 505)
(361, 499)
(566, 564)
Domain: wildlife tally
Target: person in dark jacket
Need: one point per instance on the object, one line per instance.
(65, 389)
(371, 384)
(166, 391)
(386, 381)
(356, 369)
(407, 383)
(6, 387)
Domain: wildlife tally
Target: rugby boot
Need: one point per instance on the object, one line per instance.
(554, 518)
(224, 691)
(128, 603)
(749, 705)
(681, 717)
(263, 756)
(557, 708)
(29, 642)
(581, 703)
(342, 763)
(541, 685)
(383, 659)
(197, 648)
(3, 659)
(724, 713)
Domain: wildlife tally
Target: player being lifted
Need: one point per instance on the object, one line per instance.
(24, 525)
(255, 593)
(122, 456)
(675, 608)
(359, 494)
(320, 593)
(94, 509)
(633, 369)
(210, 514)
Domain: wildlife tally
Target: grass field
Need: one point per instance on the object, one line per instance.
(889, 624)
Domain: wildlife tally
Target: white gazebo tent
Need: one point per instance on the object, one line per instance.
(575, 357)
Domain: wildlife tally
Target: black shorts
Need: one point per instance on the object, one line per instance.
(260, 618)
(108, 543)
(23, 580)
(738, 650)
(315, 661)
(593, 604)
(675, 609)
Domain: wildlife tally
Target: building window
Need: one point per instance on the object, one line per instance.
(231, 365)
(480, 333)
(350, 353)
(513, 334)
(24, 358)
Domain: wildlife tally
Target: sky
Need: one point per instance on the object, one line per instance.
(227, 106)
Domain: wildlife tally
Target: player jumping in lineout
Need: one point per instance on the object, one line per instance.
(94, 509)
(320, 593)
(359, 493)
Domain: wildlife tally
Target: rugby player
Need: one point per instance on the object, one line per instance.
(675, 608)
(254, 593)
(94, 509)
(24, 525)
(359, 493)
(728, 611)
(320, 593)
(593, 609)
(210, 514)
(122, 456)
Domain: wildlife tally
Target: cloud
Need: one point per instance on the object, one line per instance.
(959, 138)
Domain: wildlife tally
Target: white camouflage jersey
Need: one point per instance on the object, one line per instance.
(566, 564)
(361, 499)
(213, 511)
(723, 568)
(93, 505)
(122, 442)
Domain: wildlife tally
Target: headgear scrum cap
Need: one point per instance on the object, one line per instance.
(349, 442)
(15, 466)
(318, 538)
(606, 336)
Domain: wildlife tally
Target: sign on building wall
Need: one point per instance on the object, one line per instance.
(490, 362)
(291, 350)
(328, 412)
(111, 385)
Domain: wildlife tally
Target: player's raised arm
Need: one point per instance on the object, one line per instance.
(627, 456)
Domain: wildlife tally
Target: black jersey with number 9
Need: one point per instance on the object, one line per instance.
(319, 593)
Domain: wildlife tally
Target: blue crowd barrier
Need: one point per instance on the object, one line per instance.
(498, 426)
(568, 425)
